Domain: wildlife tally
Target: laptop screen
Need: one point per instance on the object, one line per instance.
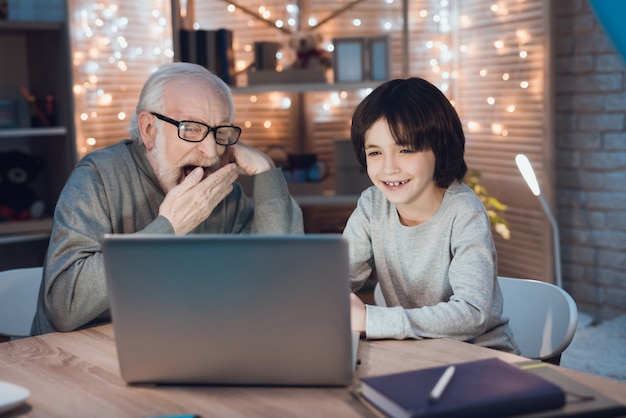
(231, 309)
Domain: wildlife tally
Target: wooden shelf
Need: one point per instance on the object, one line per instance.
(304, 87)
(40, 61)
(28, 26)
(22, 231)
(32, 132)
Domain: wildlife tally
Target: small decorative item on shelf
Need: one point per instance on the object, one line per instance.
(379, 59)
(18, 201)
(265, 55)
(304, 174)
(42, 110)
(361, 58)
(310, 65)
(309, 53)
(349, 59)
(213, 49)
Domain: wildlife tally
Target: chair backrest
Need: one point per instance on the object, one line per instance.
(19, 289)
(542, 316)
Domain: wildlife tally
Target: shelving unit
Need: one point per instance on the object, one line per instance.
(303, 87)
(305, 125)
(36, 58)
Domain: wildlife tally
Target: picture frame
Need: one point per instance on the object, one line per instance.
(349, 59)
(379, 59)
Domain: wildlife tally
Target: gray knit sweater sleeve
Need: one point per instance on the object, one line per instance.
(114, 190)
(438, 278)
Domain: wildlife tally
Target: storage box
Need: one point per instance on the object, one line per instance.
(350, 177)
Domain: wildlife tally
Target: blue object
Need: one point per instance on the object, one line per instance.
(612, 13)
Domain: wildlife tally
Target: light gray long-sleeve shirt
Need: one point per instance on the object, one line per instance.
(115, 190)
(439, 278)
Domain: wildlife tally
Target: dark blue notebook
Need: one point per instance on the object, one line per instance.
(482, 388)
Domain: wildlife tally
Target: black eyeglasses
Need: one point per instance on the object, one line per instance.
(191, 131)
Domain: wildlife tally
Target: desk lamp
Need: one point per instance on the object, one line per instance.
(523, 164)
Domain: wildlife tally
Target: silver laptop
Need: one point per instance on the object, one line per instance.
(231, 309)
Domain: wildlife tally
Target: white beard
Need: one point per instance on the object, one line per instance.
(171, 175)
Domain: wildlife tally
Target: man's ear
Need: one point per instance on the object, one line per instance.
(147, 130)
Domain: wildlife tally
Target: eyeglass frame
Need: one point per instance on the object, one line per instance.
(210, 129)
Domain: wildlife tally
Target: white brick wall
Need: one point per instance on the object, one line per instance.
(590, 112)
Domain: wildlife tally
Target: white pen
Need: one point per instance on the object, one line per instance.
(441, 385)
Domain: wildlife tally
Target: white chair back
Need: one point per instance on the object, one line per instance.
(19, 289)
(542, 316)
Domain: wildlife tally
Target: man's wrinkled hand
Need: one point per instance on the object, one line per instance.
(193, 200)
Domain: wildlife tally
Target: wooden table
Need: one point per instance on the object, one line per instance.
(77, 374)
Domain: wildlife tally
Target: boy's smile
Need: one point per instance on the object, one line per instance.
(405, 176)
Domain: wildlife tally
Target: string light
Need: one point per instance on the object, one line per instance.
(102, 47)
(102, 51)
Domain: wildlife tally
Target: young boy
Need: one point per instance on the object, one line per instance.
(424, 233)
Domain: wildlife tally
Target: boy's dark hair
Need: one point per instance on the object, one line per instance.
(419, 117)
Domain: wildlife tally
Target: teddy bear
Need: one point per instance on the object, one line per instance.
(309, 54)
(18, 201)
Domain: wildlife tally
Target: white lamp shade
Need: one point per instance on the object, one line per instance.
(523, 164)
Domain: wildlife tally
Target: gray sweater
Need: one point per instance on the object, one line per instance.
(115, 190)
(439, 278)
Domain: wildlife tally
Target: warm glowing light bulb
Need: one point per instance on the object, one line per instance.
(285, 103)
(465, 21)
(473, 126)
(522, 35)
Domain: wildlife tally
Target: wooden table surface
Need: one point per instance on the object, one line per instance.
(77, 374)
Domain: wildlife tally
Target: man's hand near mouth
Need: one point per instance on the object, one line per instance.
(193, 200)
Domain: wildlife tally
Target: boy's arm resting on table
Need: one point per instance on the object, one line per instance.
(467, 313)
(471, 274)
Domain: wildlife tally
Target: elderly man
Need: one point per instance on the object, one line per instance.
(176, 175)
